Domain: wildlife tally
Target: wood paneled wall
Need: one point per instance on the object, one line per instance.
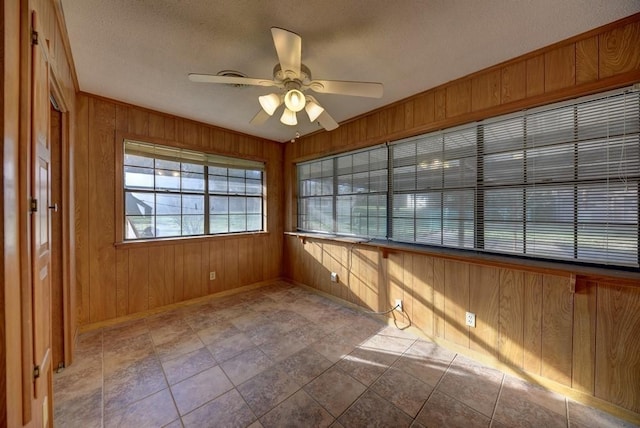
(579, 333)
(582, 335)
(117, 280)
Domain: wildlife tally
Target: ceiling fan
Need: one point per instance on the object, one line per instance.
(294, 78)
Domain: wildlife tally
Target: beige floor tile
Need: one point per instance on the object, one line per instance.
(246, 365)
(371, 410)
(366, 364)
(441, 410)
(193, 392)
(228, 410)
(156, 410)
(187, 365)
(335, 390)
(129, 384)
(266, 390)
(472, 384)
(305, 365)
(299, 410)
(402, 390)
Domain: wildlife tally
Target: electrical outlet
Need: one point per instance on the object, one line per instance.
(334, 276)
(212, 276)
(398, 305)
(470, 319)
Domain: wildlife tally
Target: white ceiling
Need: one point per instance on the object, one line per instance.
(140, 51)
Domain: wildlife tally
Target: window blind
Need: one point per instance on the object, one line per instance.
(558, 182)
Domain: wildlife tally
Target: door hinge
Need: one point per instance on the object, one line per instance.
(33, 205)
(34, 37)
(36, 372)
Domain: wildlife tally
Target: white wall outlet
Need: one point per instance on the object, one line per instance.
(398, 305)
(470, 319)
(334, 276)
(212, 276)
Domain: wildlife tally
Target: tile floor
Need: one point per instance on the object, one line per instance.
(284, 356)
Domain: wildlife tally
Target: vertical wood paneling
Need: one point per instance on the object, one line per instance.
(396, 118)
(619, 51)
(138, 280)
(424, 109)
(138, 121)
(456, 304)
(440, 100)
(178, 271)
(584, 337)
(395, 278)
(160, 288)
(231, 276)
(169, 274)
(458, 98)
(122, 118)
(587, 60)
(81, 204)
(484, 301)
(244, 253)
(485, 90)
(216, 264)
(535, 76)
(438, 297)
(190, 134)
(560, 68)
(532, 322)
(156, 125)
(369, 262)
(617, 345)
(511, 317)
(102, 259)
(422, 313)
(410, 262)
(122, 282)
(557, 324)
(192, 274)
(514, 82)
(170, 128)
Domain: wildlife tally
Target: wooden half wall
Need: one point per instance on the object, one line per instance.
(566, 326)
(118, 280)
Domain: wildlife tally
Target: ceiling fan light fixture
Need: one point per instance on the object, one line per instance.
(289, 117)
(313, 109)
(294, 100)
(270, 103)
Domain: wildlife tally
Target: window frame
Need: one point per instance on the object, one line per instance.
(121, 191)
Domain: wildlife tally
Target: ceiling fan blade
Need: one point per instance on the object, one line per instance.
(289, 48)
(327, 121)
(358, 89)
(230, 80)
(260, 117)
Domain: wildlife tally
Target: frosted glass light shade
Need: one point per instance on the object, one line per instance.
(289, 117)
(294, 100)
(313, 110)
(270, 103)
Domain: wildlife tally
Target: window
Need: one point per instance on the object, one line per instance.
(176, 192)
(558, 182)
(345, 194)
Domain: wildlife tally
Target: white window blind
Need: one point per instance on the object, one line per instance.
(434, 181)
(562, 182)
(559, 182)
